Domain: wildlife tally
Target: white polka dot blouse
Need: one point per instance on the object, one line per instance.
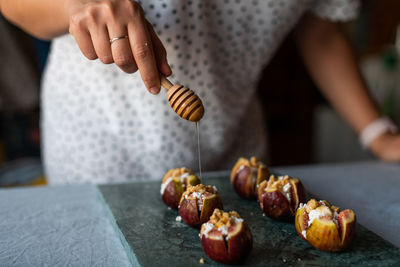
(100, 125)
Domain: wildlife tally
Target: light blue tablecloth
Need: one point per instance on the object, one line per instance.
(57, 226)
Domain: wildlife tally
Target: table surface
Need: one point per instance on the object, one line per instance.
(70, 225)
(57, 226)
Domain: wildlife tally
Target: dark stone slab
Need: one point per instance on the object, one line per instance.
(154, 238)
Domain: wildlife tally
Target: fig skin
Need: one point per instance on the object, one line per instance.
(188, 209)
(176, 186)
(246, 175)
(231, 251)
(189, 212)
(276, 205)
(172, 194)
(323, 234)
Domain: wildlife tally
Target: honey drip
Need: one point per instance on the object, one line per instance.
(198, 147)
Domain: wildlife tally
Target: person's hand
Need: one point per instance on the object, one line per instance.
(93, 23)
(387, 147)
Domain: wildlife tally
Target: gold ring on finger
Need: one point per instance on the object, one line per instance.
(118, 38)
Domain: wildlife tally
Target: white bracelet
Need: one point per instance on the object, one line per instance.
(376, 129)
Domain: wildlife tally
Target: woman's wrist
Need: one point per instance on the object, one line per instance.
(376, 129)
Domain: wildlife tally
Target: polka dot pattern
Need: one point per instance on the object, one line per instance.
(101, 125)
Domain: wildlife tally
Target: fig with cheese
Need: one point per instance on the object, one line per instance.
(198, 203)
(246, 175)
(324, 226)
(226, 237)
(279, 197)
(174, 183)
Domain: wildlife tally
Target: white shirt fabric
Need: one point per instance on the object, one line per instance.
(100, 125)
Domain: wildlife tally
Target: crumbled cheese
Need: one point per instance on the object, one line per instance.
(165, 184)
(320, 209)
(182, 179)
(199, 197)
(207, 228)
(314, 214)
(319, 212)
(223, 229)
(237, 220)
(196, 194)
(286, 191)
(183, 176)
(178, 218)
(304, 233)
(215, 189)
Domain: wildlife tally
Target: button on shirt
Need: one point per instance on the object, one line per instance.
(100, 125)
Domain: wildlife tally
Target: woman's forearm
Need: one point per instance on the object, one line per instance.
(44, 19)
(329, 58)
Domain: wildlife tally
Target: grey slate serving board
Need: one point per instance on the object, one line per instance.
(152, 236)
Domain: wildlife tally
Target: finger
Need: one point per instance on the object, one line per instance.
(143, 53)
(121, 49)
(160, 52)
(84, 42)
(101, 43)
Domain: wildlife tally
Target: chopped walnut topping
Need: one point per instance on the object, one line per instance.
(311, 205)
(177, 172)
(281, 183)
(324, 211)
(325, 203)
(255, 163)
(335, 209)
(278, 183)
(199, 192)
(200, 188)
(220, 218)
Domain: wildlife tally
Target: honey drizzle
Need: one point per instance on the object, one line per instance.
(198, 147)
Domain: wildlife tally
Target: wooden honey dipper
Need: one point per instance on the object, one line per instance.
(183, 101)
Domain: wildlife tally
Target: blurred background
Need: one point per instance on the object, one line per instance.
(303, 128)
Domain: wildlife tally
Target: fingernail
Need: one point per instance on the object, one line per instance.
(154, 90)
